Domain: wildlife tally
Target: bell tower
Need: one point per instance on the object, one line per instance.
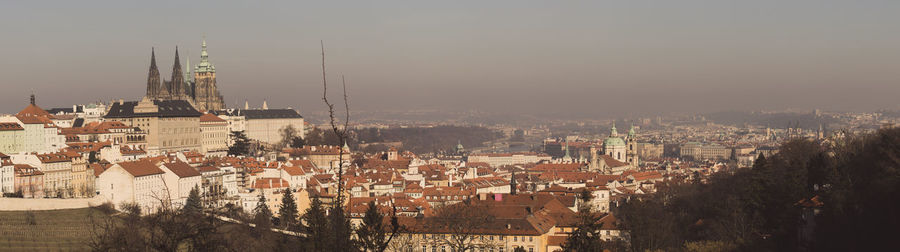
(206, 93)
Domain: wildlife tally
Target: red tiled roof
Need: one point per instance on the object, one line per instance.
(210, 118)
(99, 168)
(267, 183)
(140, 168)
(33, 110)
(182, 169)
(207, 169)
(26, 170)
(10, 126)
(612, 162)
(54, 157)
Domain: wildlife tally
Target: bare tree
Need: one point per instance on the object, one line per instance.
(340, 223)
(461, 227)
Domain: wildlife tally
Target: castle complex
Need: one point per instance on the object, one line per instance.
(200, 89)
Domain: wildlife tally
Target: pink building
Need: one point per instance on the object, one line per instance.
(29, 181)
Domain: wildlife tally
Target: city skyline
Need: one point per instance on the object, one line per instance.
(595, 59)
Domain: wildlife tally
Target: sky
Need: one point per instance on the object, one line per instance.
(585, 58)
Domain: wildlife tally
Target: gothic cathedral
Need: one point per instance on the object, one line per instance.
(200, 90)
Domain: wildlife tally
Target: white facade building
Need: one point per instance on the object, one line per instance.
(180, 178)
(139, 182)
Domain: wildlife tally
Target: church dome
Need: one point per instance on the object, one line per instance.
(613, 141)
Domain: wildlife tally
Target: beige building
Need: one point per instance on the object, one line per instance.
(264, 125)
(501, 159)
(649, 150)
(323, 156)
(214, 135)
(83, 179)
(170, 126)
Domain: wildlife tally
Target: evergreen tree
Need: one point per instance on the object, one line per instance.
(339, 224)
(240, 145)
(92, 158)
(288, 211)
(587, 235)
(262, 215)
(298, 142)
(371, 233)
(193, 204)
(316, 226)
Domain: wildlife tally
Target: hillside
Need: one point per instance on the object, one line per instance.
(52, 230)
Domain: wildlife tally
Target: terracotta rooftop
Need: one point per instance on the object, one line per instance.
(140, 168)
(267, 183)
(210, 118)
(182, 169)
(10, 126)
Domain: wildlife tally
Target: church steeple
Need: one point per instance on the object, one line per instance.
(613, 132)
(153, 77)
(631, 132)
(177, 82)
(187, 69)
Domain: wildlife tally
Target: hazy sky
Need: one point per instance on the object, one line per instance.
(550, 57)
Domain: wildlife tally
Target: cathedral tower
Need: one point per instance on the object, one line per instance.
(206, 94)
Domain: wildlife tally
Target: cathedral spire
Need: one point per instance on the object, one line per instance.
(187, 68)
(153, 76)
(177, 82)
(204, 66)
(204, 56)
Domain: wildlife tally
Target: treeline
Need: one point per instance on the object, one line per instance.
(757, 209)
(775, 120)
(417, 140)
(434, 139)
(195, 228)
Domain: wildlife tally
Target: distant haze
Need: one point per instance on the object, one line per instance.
(591, 58)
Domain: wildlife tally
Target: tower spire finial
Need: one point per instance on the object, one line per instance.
(177, 61)
(32, 97)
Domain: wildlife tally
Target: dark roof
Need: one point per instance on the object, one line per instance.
(60, 111)
(170, 108)
(261, 113)
(78, 123)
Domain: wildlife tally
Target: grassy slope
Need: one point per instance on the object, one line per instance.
(54, 230)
